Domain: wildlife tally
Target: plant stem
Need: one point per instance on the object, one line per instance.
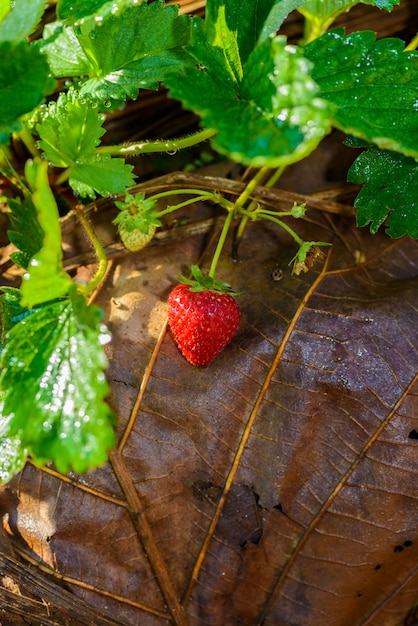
(98, 249)
(285, 227)
(220, 244)
(174, 207)
(63, 177)
(412, 44)
(251, 185)
(167, 145)
(199, 194)
(29, 142)
(263, 172)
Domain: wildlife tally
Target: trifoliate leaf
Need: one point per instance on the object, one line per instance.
(121, 53)
(374, 85)
(390, 191)
(52, 386)
(26, 232)
(281, 118)
(45, 278)
(70, 130)
(102, 174)
(24, 81)
(21, 20)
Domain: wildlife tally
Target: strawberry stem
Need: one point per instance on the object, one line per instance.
(220, 244)
(169, 145)
(98, 249)
(264, 172)
(283, 225)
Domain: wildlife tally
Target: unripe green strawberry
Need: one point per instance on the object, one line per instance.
(136, 221)
(203, 321)
(135, 239)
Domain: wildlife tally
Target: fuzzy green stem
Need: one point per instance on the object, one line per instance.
(200, 196)
(251, 185)
(166, 145)
(175, 207)
(179, 192)
(63, 177)
(262, 174)
(220, 244)
(285, 227)
(29, 141)
(98, 249)
(263, 212)
(413, 44)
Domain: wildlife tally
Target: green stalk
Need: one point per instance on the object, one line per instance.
(166, 145)
(220, 244)
(29, 141)
(412, 44)
(262, 174)
(175, 207)
(285, 227)
(200, 196)
(98, 249)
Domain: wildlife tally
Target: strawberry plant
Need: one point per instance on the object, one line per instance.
(261, 102)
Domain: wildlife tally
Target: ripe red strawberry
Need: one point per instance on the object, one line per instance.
(202, 320)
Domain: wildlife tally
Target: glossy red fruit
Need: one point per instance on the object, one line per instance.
(202, 322)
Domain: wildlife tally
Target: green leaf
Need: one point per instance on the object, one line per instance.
(390, 192)
(236, 27)
(320, 14)
(329, 9)
(4, 9)
(278, 13)
(70, 130)
(26, 232)
(75, 9)
(52, 386)
(222, 26)
(281, 119)
(63, 51)
(24, 81)
(69, 134)
(374, 85)
(103, 174)
(45, 279)
(11, 309)
(21, 20)
(132, 49)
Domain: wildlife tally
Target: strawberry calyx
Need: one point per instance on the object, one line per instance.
(136, 213)
(202, 282)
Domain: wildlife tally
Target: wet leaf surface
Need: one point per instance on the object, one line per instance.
(276, 485)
